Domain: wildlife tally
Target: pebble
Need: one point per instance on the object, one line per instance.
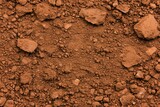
(52, 2)
(98, 98)
(120, 85)
(26, 78)
(22, 10)
(67, 25)
(123, 8)
(151, 51)
(59, 2)
(130, 57)
(27, 45)
(2, 101)
(25, 60)
(9, 103)
(157, 68)
(96, 104)
(147, 27)
(54, 94)
(22, 2)
(93, 15)
(76, 82)
(127, 99)
(146, 2)
(49, 74)
(139, 75)
(45, 11)
(153, 6)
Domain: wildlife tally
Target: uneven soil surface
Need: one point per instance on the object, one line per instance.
(79, 53)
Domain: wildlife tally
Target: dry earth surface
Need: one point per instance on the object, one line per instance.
(79, 53)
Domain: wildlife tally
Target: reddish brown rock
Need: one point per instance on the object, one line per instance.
(147, 27)
(45, 11)
(123, 8)
(157, 68)
(49, 74)
(127, 99)
(130, 57)
(22, 10)
(27, 45)
(26, 78)
(151, 51)
(2, 101)
(93, 15)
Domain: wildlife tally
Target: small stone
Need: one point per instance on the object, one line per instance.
(138, 91)
(151, 51)
(27, 45)
(1, 2)
(130, 57)
(22, 2)
(153, 6)
(48, 105)
(26, 60)
(54, 94)
(147, 28)
(144, 105)
(45, 11)
(106, 100)
(52, 2)
(146, 2)
(115, 3)
(147, 78)
(123, 8)
(59, 2)
(120, 85)
(22, 10)
(57, 103)
(139, 75)
(98, 98)
(49, 74)
(26, 78)
(96, 104)
(157, 68)
(2, 101)
(93, 15)
(67, 25)
(76, 82)
(1, 85)
(127, 99)
(9, 103)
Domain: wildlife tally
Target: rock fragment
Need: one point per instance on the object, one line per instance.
(127, 99)
(76, 82)
(49, 74)
(9, 103)
(123, 8)
(157, 68)
(45, 11)
(54, 94)
(22, 2)
(138, 91)
(27, 45)
(139, 75)
(147, 28)
(151, 51)
(59, 2)
(52, 2)
(93, 15)
(2, 101)
(26, 78)
(22, 10)
(130, 57)
(120, 85)
(146, 2)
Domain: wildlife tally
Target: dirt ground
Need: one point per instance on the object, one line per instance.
(79, 53)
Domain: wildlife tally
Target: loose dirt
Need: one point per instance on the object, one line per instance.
(74, 53)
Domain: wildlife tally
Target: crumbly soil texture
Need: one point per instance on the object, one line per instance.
(79, 53)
